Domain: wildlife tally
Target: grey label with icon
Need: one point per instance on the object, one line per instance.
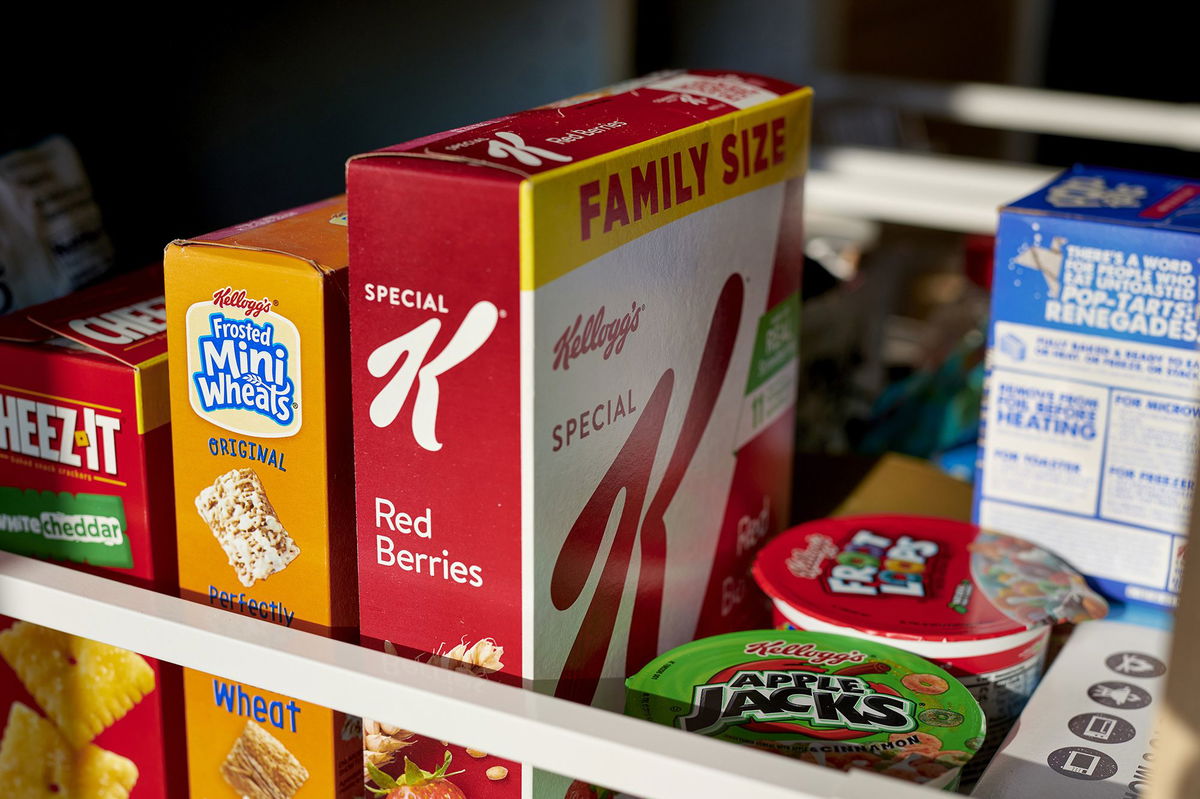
(1119, 695)
(1082, 763)
(1102, 728)
(1136, 664)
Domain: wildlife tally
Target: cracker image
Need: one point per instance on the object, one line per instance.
(237, 510)
(260, 767)
(83, 686)
(37, 762)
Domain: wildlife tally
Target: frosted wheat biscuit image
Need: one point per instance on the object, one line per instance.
(260, 767)
(36, 762)
(237, 510)
(83, 686)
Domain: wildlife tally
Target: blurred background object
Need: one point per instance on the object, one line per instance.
(51, 238)
(232, 110)
(929, 115)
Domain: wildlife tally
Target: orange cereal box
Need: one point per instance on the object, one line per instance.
(249, 742)
(258, 335)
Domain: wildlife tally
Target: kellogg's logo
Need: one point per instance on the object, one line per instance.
(805, 652)
(597, 334)
(245, 375)
(805, 563)
(228, 298)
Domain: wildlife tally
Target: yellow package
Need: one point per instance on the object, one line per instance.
(257, 325)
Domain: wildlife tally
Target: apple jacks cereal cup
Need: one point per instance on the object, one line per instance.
(979, 604)
(827, 699)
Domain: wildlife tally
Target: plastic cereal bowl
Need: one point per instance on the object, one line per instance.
(827, 699)
(979, 604)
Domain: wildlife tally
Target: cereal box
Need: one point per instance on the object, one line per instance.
(574, 349)
(85, 444)
(1093, 389)
(259, 339)
(79, 718)
(85, 454)
(245, 741)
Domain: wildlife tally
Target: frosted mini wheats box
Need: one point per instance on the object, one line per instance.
(259, 388)
(1090, 420)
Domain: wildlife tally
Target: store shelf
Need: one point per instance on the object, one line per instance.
(601, 747)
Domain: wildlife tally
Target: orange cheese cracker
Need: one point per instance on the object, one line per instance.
(83, 686)
(37, 762)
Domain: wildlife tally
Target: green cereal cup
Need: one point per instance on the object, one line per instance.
(828, 699)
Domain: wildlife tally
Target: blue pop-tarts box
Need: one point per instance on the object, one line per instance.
(1092, 401)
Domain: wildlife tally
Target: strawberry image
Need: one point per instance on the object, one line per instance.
(581, 790)
(416, 783)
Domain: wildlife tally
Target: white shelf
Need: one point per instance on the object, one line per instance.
(987, 105)
(637, 757)
(932, 191)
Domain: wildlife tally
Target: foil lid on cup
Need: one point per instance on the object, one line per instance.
(828, 699)
(921, 578)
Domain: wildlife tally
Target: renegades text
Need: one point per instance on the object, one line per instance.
(680, 177)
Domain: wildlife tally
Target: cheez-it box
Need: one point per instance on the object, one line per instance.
(85, 444)
(574, 364)
(259, 344)
(85, 453)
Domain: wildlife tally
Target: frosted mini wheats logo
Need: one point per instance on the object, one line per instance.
(244, 365)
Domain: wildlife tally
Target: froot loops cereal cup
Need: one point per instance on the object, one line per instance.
(827, 699)
(979, 604)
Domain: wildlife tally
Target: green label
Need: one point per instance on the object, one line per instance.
(829, 699)
(777, 342)
(84, 528)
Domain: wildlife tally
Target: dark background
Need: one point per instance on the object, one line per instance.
(204, 115)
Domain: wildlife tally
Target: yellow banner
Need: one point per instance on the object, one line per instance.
(575, 214)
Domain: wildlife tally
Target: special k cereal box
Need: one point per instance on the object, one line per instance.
(574, 349)
(259, 383)
(85, 444)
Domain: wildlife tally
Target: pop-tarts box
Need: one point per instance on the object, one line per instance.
(1090, 416)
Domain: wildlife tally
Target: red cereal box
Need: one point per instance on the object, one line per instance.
(85, 455)
(574, 360)
(85, 444)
